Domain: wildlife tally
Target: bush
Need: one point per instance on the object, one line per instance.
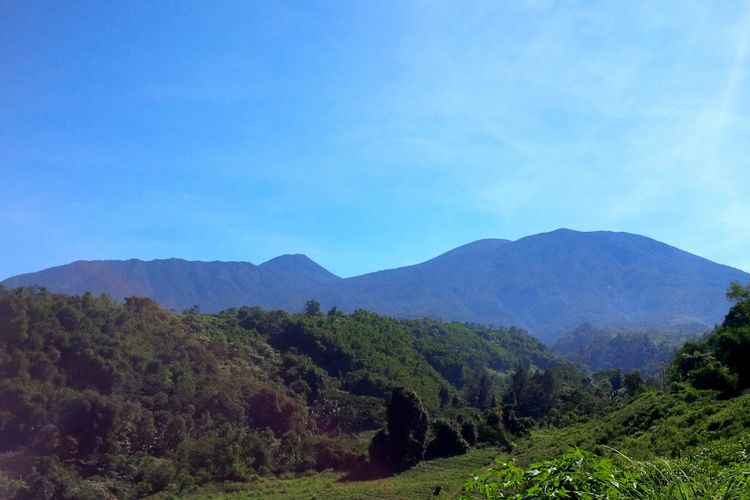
(9, 487)
(154, 475)
(495, 436)
(447, 443)
(329, 453)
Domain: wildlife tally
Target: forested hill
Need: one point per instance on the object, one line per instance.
(547, 284)
(141, 398)
(550, 283)
(626, 349)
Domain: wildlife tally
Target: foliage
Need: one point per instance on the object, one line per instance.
(132, 392)
(139, 400)
(575, 474)
(581, 474)
(645, 350)
(532, 394)
(102, 398)
(312, 307)
(402, 444)
(719, 361)
(448, 441)
(458, 351)
(690, 444)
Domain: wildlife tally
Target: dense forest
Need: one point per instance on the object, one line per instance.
(130, 399)
(107, 399)
(646, 350)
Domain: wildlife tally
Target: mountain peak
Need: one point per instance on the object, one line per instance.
(288, 258)
(296, 263)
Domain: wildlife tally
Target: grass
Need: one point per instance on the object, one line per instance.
(689, 445)
(652, 425)
(420, 482)
(719, 471)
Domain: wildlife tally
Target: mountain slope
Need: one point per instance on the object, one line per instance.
(285, 282)
(547, 283)
(550, 283)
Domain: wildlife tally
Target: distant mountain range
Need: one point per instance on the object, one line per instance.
(547, 283)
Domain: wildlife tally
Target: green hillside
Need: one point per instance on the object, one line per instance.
(690, 440)
(102, 400)
(130, 399)
(646, 350)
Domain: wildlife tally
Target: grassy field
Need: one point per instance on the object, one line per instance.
(446, 474)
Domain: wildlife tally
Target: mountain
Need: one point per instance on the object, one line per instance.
(284, 282)
(552, 282)
(547, 283)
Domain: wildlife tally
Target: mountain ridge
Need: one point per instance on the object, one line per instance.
(548, 283)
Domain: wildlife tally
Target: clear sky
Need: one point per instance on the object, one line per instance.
(368, 135)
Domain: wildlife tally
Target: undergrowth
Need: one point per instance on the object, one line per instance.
(718, 471)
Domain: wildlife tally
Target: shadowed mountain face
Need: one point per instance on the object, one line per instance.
(547, 283)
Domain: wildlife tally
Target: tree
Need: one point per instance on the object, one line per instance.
(719, 362)
(469, 432)
(312, 307)
(532, 394)
(632, 382)
(518, 381)
(737, 292)
(444, 397)
(402, 444)
(479, 391)
(739, 314)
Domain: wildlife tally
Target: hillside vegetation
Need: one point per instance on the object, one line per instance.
(690, 441)
(127, 399)
(102, 399)
(627, 349)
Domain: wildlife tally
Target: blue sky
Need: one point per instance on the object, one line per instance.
(368, 135)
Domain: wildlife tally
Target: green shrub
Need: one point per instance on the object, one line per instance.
(331, 453)
(581, 474)
(447, 442)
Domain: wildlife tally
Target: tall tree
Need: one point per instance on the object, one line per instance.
(402, 444)
(312, 307)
